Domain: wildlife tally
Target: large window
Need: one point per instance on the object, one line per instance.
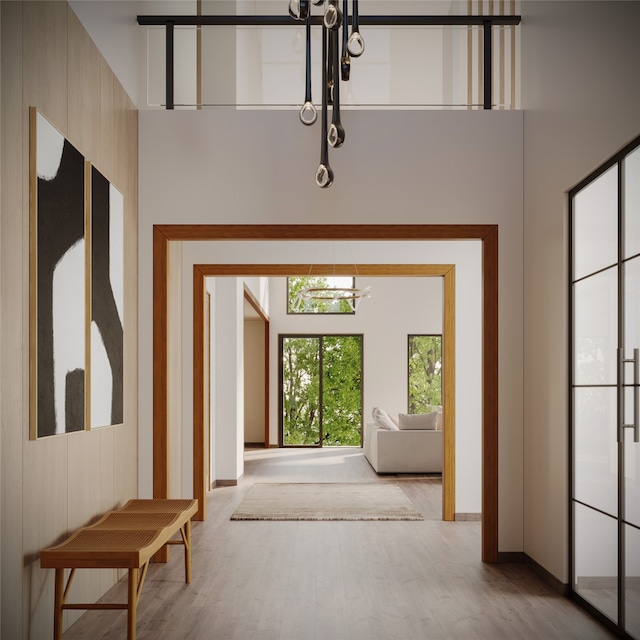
(321, 390)
(425, 373)
(322, 302)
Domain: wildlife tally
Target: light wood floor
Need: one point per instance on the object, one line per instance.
(334, 580)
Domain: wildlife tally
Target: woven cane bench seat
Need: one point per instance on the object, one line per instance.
(124, 539)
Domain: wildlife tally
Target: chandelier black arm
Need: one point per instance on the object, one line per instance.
(345, 60)
(335, 135)
(308, 113)
(324, 174)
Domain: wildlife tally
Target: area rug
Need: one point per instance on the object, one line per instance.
(326, 501)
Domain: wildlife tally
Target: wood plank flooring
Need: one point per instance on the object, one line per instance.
(338, 580)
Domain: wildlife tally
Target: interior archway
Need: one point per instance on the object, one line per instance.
(164, 234)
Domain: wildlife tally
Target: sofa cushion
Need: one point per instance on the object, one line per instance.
(438, 410)
(383, 419)
(414, 421)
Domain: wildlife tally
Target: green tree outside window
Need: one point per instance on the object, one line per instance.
(425, 373)
(321, 390)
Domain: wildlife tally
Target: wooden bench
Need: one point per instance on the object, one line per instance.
(124, 539)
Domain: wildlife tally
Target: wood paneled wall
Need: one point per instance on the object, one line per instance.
(53, 485)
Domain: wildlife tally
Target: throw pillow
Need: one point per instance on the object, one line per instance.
(411, 421)
(438, 410)
(382, 419)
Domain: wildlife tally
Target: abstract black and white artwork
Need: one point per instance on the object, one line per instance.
(58, 316)
(107, 303)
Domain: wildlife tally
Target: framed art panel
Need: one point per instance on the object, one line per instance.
(57, 281)
(107, 303)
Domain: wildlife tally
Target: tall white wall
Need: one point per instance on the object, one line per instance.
(228, 298)
(213, 377)
(581, 96)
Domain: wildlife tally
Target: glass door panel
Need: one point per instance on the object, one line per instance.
(596, 559)
(632, 306)
(632, 204)
(632, 480)
(631, 342)
(342, 391)
(595, 227)
(595, 333)
(632, 581)
(595, 450)
(300, 391)
(321, 390)
(605, 381)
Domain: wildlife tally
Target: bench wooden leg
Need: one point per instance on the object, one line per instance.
(57, 604)
(187, 551)
(132, 603)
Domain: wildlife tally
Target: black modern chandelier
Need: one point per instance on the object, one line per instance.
(336, 67)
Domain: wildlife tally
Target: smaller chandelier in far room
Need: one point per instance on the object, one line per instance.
(332, 296)
(336, 66)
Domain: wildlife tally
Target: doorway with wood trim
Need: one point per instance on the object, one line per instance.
(487, 234)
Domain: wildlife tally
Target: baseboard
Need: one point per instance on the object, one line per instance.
(548, 578)
(254, 445)
(467, 517)
(511, 556)
(226, 483)
(274, 446)
(557, 585)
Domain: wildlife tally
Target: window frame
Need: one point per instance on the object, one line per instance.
(320, 337)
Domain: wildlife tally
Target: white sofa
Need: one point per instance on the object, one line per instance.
(403, 451)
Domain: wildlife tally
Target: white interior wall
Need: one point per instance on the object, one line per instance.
(259, 289)
(228, 399)
(213, 376)
(581, 98)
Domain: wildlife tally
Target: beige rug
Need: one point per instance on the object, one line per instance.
(326, 501)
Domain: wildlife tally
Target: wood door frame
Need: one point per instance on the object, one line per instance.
(264, 316)
(164, 234)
